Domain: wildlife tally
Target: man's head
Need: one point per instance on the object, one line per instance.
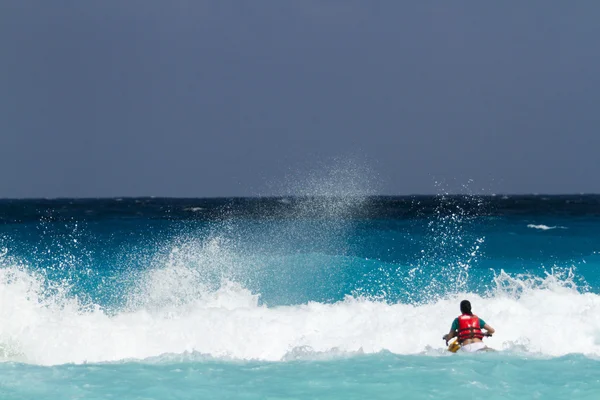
(465, 307)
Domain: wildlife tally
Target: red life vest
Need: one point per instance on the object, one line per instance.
(468, 328)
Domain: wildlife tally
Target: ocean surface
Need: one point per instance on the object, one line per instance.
(300, 297)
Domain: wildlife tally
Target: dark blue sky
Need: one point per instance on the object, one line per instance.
(219, 98)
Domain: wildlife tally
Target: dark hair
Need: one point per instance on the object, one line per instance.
(465, 307)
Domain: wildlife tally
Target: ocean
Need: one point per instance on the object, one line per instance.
(298, 297)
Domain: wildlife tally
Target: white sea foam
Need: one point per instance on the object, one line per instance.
(545, 227)
(548, 316)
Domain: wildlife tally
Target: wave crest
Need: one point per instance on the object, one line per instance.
(229, 323)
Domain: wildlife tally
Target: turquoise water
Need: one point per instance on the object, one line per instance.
(298, 297)
(381, 376)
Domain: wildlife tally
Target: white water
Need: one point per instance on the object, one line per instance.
(546, 316)
(545, 227)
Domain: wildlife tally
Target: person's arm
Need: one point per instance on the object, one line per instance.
(452, 332)
(449, 335)
(489, 329)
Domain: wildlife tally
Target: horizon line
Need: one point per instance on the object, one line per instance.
(302, 196)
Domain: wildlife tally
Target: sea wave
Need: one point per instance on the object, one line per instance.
(545, 227)
(545, 315)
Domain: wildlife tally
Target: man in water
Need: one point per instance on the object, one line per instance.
(467, 327)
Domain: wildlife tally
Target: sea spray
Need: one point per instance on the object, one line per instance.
(229, 323)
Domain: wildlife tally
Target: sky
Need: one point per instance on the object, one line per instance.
(192, 98)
